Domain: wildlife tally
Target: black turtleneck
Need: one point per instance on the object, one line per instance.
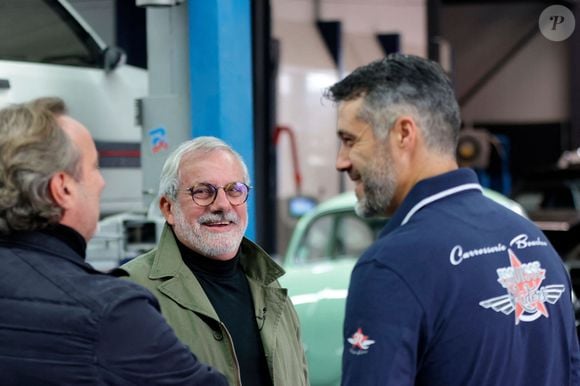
(69, 236)
(227, 288)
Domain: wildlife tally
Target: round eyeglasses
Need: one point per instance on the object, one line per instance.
(204, 194)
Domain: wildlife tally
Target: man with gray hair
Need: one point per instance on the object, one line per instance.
(457, 290)
(217, 289)
(62, 322)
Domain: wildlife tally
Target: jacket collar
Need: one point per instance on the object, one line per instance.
(257, 264)
(180, 282)
(46, 244)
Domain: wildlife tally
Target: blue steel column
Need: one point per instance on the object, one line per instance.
(220, 49)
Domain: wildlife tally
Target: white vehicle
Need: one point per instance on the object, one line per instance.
(124, 236)
(47, 49)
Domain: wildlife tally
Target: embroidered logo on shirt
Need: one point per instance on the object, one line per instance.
(525, 296)
(360, 342)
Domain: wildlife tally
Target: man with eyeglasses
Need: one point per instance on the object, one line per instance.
(217, 289)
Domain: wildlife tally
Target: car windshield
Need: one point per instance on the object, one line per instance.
(336, 235)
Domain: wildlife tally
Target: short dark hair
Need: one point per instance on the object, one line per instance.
(404, 84)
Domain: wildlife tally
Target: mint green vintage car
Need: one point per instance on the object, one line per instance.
(321, 254)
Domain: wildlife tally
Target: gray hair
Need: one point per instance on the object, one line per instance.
(169, 181)
(404, 85)
(33, 147)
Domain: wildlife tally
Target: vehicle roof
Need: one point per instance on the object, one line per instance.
(347, 200)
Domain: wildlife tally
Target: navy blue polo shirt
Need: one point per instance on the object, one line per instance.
(459, 290)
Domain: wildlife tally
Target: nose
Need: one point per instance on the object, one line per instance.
(343, 163)
(221, 200)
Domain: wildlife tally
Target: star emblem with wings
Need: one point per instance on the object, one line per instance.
(360, 341)
(525, 297)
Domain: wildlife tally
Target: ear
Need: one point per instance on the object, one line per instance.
(62, 190)
(165, 207)
(405, 132)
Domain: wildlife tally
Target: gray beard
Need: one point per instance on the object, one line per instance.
(207, 243)
(379, 184)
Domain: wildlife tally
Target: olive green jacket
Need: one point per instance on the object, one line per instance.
(188, 310)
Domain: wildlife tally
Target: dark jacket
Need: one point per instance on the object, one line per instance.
(64, 323)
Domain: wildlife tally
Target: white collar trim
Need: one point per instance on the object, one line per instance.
(428, 200)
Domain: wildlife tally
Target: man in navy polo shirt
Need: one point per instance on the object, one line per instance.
(457, 290)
